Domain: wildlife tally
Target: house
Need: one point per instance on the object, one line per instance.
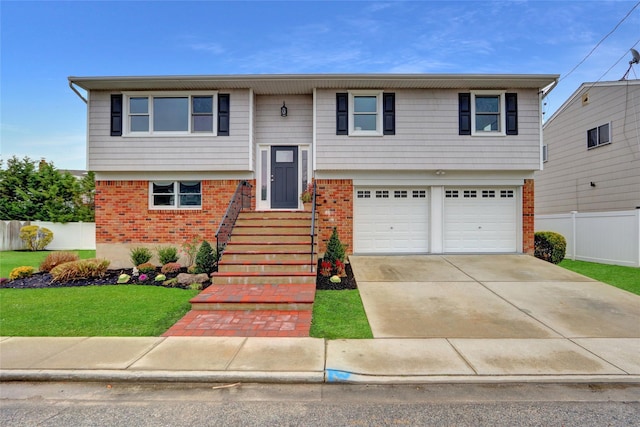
(592, 151)
(589, 187)
(403, 163)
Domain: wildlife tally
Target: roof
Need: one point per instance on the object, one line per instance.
(292, 84)
(588, 86)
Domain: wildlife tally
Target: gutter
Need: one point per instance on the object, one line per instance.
(77, 92)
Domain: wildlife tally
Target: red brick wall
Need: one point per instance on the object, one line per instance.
(527, 216)
(334, 204)
(123, 214)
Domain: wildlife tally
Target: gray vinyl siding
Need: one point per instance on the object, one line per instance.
(565, 183)
(427, 137)
(167, 153)
(295, 129)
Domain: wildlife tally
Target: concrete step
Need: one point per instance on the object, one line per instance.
(258, 278)
(270, 238)
(266, 266)
(256, 297)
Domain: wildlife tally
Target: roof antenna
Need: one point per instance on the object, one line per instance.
(635, 60)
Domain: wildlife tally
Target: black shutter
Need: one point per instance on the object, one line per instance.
(464, 114)
(223, 114)
(116, 115)
(389, 113)
(342, 114)
(511, 100)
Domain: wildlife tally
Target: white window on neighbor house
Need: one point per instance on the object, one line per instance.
(545, 153)
(169, 114)
(597, 136)
(175, 195)
(365, 109)
(487, 113)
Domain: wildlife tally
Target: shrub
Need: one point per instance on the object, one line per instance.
(35, 238)
(146, 268)
(196, 286)
(335, 249)
(21, 272)
(550, 246)
(326, 268)
(172, 267)
(206, 259)
(167, 254)
(171, 283)
(57, 258)
(81, 269)
(190, 248)
(140, 255)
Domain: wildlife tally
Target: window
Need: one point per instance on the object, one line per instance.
(364, 194)
(365, 113)
(419, 194)
(382, 194)
(451, 194)
(488, 113)
(179, 114)
(175, 194)
(545, 153)
(599, 136)
(400, 194)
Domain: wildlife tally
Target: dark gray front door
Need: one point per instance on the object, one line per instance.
(284, 177)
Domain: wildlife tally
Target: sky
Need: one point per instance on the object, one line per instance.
(42, 43)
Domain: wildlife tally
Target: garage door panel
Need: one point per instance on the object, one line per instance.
(390, 220)
(480, 220)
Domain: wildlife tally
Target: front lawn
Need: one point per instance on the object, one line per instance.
(339, 315)
(120, 310)
(12, 259)
(627, 278)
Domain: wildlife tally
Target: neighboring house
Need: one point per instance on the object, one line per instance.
(403, 163)
(592, 151)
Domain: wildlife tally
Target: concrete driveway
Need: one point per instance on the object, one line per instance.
(501, 314)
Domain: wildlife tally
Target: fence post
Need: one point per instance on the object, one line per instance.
(574, 239)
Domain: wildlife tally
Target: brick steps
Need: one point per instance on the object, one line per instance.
(264, 285)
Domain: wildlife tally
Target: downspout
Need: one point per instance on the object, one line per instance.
(542, 94)
(77, 93)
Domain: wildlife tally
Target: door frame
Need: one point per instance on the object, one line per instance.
(263, 173)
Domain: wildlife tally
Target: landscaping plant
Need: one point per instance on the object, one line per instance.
(21, 272)
(140, 255)
(56, 258)
(35, 238)
(550, 246)
(334, 256)
(167, 254)
(206, 259)
(81, 269)
(190, 249)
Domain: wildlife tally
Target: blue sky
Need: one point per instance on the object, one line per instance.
(42, 43)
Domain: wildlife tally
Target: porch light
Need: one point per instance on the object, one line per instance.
(283, 110)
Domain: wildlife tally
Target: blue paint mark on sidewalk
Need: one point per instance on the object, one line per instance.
(337, 376)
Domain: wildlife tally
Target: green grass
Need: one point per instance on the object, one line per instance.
(627, 278)
(339, 315)
(122, 310)
(12, 259)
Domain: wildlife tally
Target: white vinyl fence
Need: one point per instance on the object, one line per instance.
(72, 235)
(603, 237)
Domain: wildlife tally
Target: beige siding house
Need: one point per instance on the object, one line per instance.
(403, 163)
(592, 151)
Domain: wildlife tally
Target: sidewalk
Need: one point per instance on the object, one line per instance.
(312, 360)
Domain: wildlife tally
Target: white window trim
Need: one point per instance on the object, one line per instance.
(169, 94)
(176, 193)
(599, 144)
(545, 153)
(378, 95)
(503, 117)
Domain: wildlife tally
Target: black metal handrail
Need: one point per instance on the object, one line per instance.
(313, 223)
(241, 200)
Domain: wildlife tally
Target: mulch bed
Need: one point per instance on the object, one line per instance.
(324, 284)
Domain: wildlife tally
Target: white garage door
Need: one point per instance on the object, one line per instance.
(480, 220)
(391, 220)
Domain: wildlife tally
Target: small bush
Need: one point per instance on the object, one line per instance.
(21, 272)
(335, 249)
(190, 249)
(196, 286)
(35, 238)
(550, 246)
(172, 283)
(172, 267)
(167, 254)
(81, 269)
(206, 259)
(140, 255)
(57, 258)
(146, 268)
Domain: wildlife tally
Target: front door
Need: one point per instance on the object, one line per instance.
(284, 177)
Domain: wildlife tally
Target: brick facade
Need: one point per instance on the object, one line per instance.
(528, 216)
(123, 214)
(334, 204)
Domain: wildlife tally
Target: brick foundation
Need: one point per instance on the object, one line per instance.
(334, 204)
(528, 216)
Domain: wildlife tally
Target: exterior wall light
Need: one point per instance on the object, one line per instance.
(283, 110)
